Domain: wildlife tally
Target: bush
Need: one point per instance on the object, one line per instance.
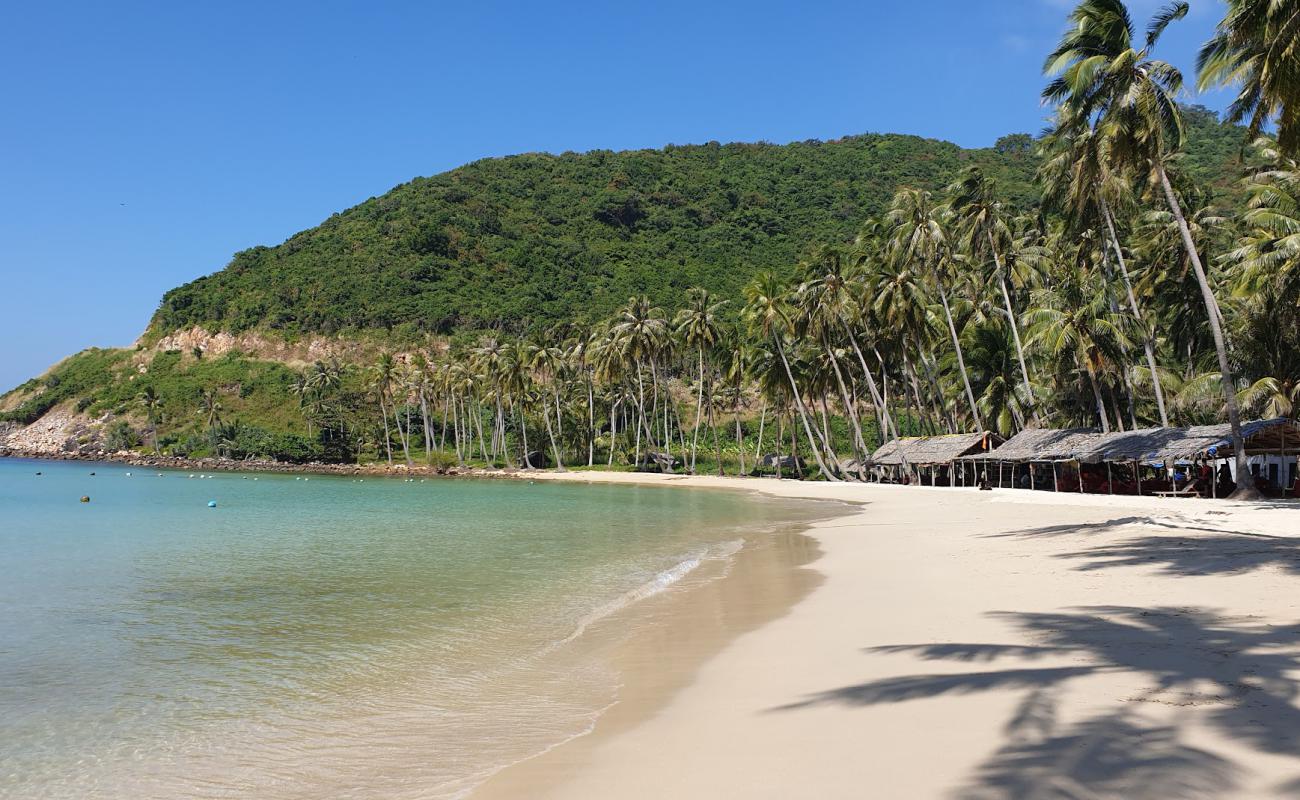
(121, 436)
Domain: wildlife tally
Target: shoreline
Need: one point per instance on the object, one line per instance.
(865, 688)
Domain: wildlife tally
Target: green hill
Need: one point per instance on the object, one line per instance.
(534, 239)
(516, 244)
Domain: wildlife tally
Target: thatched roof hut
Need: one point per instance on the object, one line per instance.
(1041, 444)
(1263, 437)
(928, 450)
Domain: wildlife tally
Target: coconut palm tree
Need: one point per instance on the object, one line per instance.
(921, 236)
(210, 408)
(640, 331)
(982, 223)
(1078, 177)
(1256, 48)
(767, 310)
(382, 377)
(153, 413)
(698, 327)
(1129, 97)
(547, 365)
(1071, 320)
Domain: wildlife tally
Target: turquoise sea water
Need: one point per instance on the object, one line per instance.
(321, 637)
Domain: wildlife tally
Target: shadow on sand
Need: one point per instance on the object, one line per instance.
(1198, 667)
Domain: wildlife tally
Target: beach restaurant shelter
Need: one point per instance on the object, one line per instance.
(1274, 440)
(1033, 446)
(932, 453)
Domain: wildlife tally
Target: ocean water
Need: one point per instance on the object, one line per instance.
(323, 636)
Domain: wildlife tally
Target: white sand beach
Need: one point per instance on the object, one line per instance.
(1004, 644)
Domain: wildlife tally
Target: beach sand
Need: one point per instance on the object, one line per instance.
(956, 643)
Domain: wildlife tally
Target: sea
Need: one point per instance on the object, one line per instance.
(231, 635)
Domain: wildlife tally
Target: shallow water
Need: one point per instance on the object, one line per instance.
(321, 636)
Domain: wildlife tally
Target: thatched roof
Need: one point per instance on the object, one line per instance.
(1041, 444)
(1269, 436)
(923, 450)
(1265, 436)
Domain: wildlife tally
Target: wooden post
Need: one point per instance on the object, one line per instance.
(1214, 479)
(1080, 471)
(1137, 475)
(1110, 482)
(1056, 482)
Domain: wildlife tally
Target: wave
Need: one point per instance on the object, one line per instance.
(654, 586)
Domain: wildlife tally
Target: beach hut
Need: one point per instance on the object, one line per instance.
(932, 454)
(1045, 447)
(1273, 445)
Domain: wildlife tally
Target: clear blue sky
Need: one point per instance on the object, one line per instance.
(143, 144)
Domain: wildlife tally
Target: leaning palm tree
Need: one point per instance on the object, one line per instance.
(981, 220)
(1071, 321)
(699, 329)
(639, 331)
(1078, 177)
(1255, 48)
(767, 311)
(921, 236)
(1129, 97)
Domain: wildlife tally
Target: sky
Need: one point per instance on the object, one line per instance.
(142, 145)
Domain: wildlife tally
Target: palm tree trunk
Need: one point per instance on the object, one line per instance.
(1011, 317)
(713, 426)
(591, 424)
(424, 413)
(1220, 344)
(803, 414)
(1147, 344)
(546, 414)
(699, 410)
(640, 394)
(876, 396)
(388, 436)
(961, 359)
(758, 446)
(1096, 395)
(859, 447)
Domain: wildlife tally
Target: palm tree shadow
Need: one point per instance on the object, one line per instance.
(1221, 554)
(1230, 674)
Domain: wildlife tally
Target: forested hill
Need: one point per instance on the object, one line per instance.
(532, 239)
(528, 240)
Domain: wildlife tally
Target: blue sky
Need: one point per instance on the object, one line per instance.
(143, 144)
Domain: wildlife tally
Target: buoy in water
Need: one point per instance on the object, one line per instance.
(85, 498)
(212, 504)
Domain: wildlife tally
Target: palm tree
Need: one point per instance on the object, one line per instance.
(1130, 98)
(1072, 320)
(1078, 177)
(210, 407)
(547, 363)
(153, 411)
(697, 326)
(825, 302)
(1254, 48)
(767, 311)
(382, 377)
(921, 237)
(639, 332)
(980, 216)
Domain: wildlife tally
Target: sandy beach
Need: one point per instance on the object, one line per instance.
(953, 643)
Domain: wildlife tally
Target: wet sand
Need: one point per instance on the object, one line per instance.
(953, 643)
